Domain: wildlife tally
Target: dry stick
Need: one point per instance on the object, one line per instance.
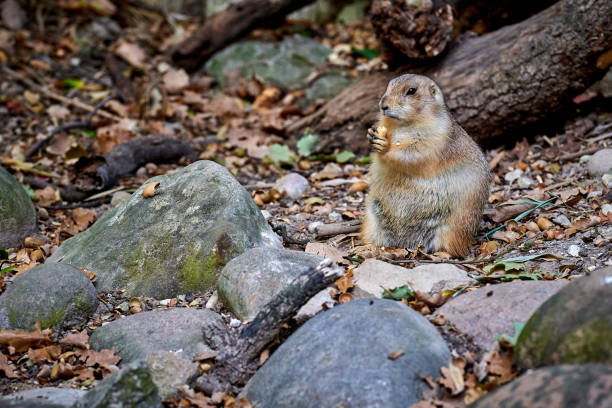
(575, 155)
(50, 94)
(68, 126)
(327, 230)
(598, 138)
(490, 258)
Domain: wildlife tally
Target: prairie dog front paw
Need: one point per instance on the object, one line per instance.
(378, 138)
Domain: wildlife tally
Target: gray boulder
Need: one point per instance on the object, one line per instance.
(285, 64)
(17, 215)
(572, 327)
(169, 371)
(177, 330)
(130, 387)
(174, 242)
(58, 295)
(252, 279)
(563, 386)
(600, 163)
(340, 357)
(487, 312)
(49, 397)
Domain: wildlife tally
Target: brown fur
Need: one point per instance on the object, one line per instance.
(429, 181)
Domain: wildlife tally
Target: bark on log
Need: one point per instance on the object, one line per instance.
(493, 84)
(227, 26)
(238, 350)
(415, 29)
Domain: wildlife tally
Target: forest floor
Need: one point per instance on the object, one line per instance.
(545, 209)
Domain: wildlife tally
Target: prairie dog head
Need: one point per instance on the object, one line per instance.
(413, 100)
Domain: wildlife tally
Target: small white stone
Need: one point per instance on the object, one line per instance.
(335, 217)
(607, 180)
(574, 250)
(293, 184)
(562, 220)
(212, 300)
(312, 227)
(513, 175)
(235, 323)
(606, 209)
(165, 302)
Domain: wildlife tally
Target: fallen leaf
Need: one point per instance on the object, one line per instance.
(47, 196)
(104, 358)
(83, 217)
(452, 378)
(151, 189)
(327, 251)
(23, 340)
(132, 53)
(396, 354)
(358, 186)
(76, 339)
(174, 80)
(48, 354)
(500, 364)
(6, 367)
(344, 283)
(195, 398)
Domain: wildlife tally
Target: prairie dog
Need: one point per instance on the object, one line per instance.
(428, 181)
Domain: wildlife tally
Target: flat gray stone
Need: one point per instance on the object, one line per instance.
(177, 330)
(492, 310)
(562, 386)
(49, 397)
(340, 358)
(17, 215)
(130, 387)
(374, 275)
(58, 295)
(249, 281)
(572, 327)
(600, 163)
(175, 242)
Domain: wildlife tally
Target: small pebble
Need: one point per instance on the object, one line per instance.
(607, 180)
(312, 227)
(165, 302)
(574, 250)
(235, 323)
(606, 209)
(335, 217)
(43, 214)
(562, 220)
(513, 175)
(293, 184)
(212, 301)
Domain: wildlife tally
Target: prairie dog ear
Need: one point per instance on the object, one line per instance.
(435, 92)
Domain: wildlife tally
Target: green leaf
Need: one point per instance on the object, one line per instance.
(280, 154)
(518, 328)
(344, 156)
(506, 265)
(30, 193)
(398, 293)
(73, 83)
(6, 270)
(306, 144)
(368, 53)
(364, 160)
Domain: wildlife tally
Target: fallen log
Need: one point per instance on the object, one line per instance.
(493, 84)
(223, 28)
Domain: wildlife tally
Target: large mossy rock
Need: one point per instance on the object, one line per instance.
(254, 278)
(286, 64)
(130, 387)
(17, 215)
(572, 327)
(174, 242)
(563, 386)
(56, 295)
(340, 357)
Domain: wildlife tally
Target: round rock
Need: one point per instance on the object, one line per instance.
(600, 163)
(177, 330)
(341, 358)
(58, 295)
(562, 386)
(487, 312)
(572, 327)
(17, 215)
(175, 242)
(254, 278)
(49, 397)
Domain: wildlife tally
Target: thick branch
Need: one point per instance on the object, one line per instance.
(234, 363)
(495, 83)
(229, 25)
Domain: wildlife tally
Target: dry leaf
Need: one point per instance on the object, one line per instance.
(357, 186)
(83, 217)
(33, 242)
(48, 354)
(395, 355)
(6, 367)
(452, 378)
(47, 196)
(326, 251)
(344, 283)
(197, 399)
(151, 189)
(132, 53)
(104, 358)
(23, 340)
(76, 339)
(174, 80)
(500, 364)
(266, 99)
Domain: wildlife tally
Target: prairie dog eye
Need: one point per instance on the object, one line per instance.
(411, 91)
